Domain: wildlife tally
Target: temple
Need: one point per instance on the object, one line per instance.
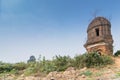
(99, 36)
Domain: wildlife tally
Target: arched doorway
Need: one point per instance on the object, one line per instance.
(99, 51)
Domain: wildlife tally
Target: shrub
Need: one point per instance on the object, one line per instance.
(62, 62)
(117, 53)
(41, 66)
(15, 72)
(29, 71)
(32, 67)
(48, 66)
(92, 60)
(79, 61)
(5, 67)
(20, 66)
(59, 63)
(106, 60)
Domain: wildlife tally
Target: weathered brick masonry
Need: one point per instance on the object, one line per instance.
(99, 36)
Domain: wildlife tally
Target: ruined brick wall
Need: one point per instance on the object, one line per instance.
(99, 31)
(103, 49)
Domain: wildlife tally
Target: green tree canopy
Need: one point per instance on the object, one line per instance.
(32, 59)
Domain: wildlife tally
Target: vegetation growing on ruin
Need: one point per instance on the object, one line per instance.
(117, 53)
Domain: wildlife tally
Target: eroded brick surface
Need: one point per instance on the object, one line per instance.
(99, 36)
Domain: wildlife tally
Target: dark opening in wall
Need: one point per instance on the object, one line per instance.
(97, 31)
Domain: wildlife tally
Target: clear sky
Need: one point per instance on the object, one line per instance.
(51, 27)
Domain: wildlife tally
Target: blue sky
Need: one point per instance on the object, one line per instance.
(51, 27)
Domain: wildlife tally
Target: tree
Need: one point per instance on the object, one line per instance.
(117, 53)
(32, 59)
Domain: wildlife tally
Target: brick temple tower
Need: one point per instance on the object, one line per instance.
(99, 36)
